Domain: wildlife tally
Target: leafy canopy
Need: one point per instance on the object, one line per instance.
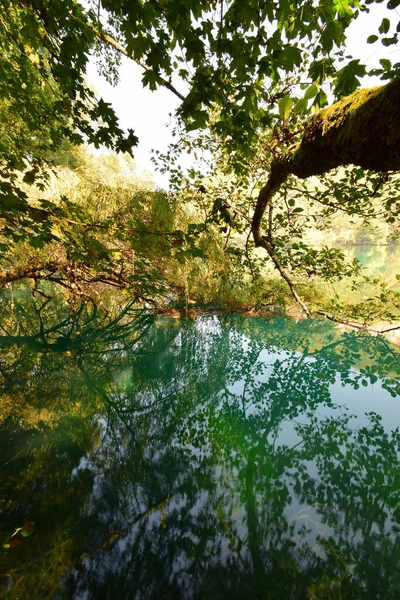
(248, 73)
(229, 55)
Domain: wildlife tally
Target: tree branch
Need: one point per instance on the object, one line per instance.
(278, 176)
(26, 272)
(117, 46)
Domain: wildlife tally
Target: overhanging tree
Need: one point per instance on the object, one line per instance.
(240, 61)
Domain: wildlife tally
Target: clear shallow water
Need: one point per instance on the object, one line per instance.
(221, 457)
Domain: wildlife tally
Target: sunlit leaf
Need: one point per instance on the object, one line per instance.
(285, 105)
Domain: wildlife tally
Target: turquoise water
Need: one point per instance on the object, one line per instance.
(378, 261)
(210, 458)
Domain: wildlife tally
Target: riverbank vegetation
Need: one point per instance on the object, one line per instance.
(276, 185)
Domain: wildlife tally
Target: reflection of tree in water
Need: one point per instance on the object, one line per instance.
(204, 466)
(49, 420)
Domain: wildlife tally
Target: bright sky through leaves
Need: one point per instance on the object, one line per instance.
(148, 113)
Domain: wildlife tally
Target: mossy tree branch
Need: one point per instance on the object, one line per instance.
(361, 129)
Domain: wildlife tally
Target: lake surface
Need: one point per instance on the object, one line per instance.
(222, 457)
(377, 261)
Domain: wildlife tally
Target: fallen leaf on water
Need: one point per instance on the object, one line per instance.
(28, 528)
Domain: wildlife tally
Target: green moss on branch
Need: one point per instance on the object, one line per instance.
(361, 129)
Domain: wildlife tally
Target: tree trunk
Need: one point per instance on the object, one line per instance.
(362, 129)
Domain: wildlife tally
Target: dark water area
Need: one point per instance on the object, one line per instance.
(222, 457)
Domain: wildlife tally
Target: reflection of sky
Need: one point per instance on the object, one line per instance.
(372, 398)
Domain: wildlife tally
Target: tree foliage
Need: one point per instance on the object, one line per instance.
(252, 73)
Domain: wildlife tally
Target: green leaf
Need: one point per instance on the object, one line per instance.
(284, 107)
(333, 33)
(384, 26)
(199, 122)
(372, 39)
(311, 92)
(321, 100)
(29, 177)
(347, 78)
(343, 8)
(301, 105)
(386, 64)
(389, 41)
(289, 57)
(320, 69)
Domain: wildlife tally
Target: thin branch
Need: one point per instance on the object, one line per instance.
(277, 178)
(389, 329)
(117, 46)
(363, 327)
(337, 207)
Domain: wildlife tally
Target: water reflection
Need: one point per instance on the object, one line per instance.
(377, 261)
(194, 459)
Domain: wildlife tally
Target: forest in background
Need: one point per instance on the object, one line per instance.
(256, 74)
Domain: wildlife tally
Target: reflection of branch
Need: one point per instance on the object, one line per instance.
(130, 411)
(294, 372)
(279, 407)
(118, 534)
(252, 522)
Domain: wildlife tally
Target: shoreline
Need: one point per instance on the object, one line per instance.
(391, 331)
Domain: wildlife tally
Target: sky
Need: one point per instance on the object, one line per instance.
(148, 113)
